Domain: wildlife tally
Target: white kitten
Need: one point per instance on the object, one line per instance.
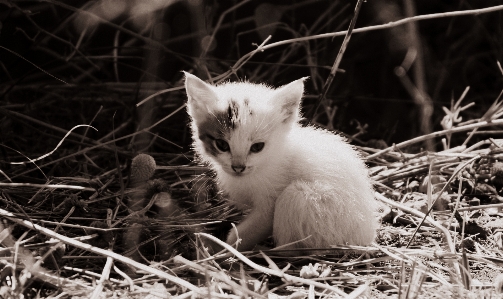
(296, 181)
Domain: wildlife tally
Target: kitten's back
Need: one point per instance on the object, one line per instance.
(324, 153)
(331, 187)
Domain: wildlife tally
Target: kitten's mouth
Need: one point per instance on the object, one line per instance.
(239, 172)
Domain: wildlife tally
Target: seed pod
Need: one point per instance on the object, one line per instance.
(142, 169)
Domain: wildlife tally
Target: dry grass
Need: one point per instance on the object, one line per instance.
(85, 89)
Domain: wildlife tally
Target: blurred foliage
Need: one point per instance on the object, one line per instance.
(116, 53)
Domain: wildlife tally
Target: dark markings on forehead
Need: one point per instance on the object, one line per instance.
(246, 103)
(218, 125)
(225, 120)
(232, 114)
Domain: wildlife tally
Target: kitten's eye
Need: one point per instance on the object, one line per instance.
(257, 147)
(222, 145)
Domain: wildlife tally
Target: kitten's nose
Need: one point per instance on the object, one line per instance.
(238, 168)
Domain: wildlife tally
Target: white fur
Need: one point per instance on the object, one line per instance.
(305, 182)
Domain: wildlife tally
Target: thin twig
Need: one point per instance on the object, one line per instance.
(104, 277)
(104, 143)
(389, 25)
(481, 207)
(493, 112)
(36, 66)
(217, 26)
(113, 25)
(265, 270)
(423, 99)
(217, 275)
(434, 135)
(100, 251)
(430, 220)
(430, 208)
(52, 127)
(46, 186)
(338, 59)
(57, 146)
(219, 78)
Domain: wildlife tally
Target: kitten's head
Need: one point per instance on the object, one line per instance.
(240, 127)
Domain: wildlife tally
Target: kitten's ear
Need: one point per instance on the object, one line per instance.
(201, 96)
(288, 98)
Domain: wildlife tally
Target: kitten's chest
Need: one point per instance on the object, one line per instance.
(251, 192)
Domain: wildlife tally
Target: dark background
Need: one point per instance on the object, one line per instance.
(133, 50)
